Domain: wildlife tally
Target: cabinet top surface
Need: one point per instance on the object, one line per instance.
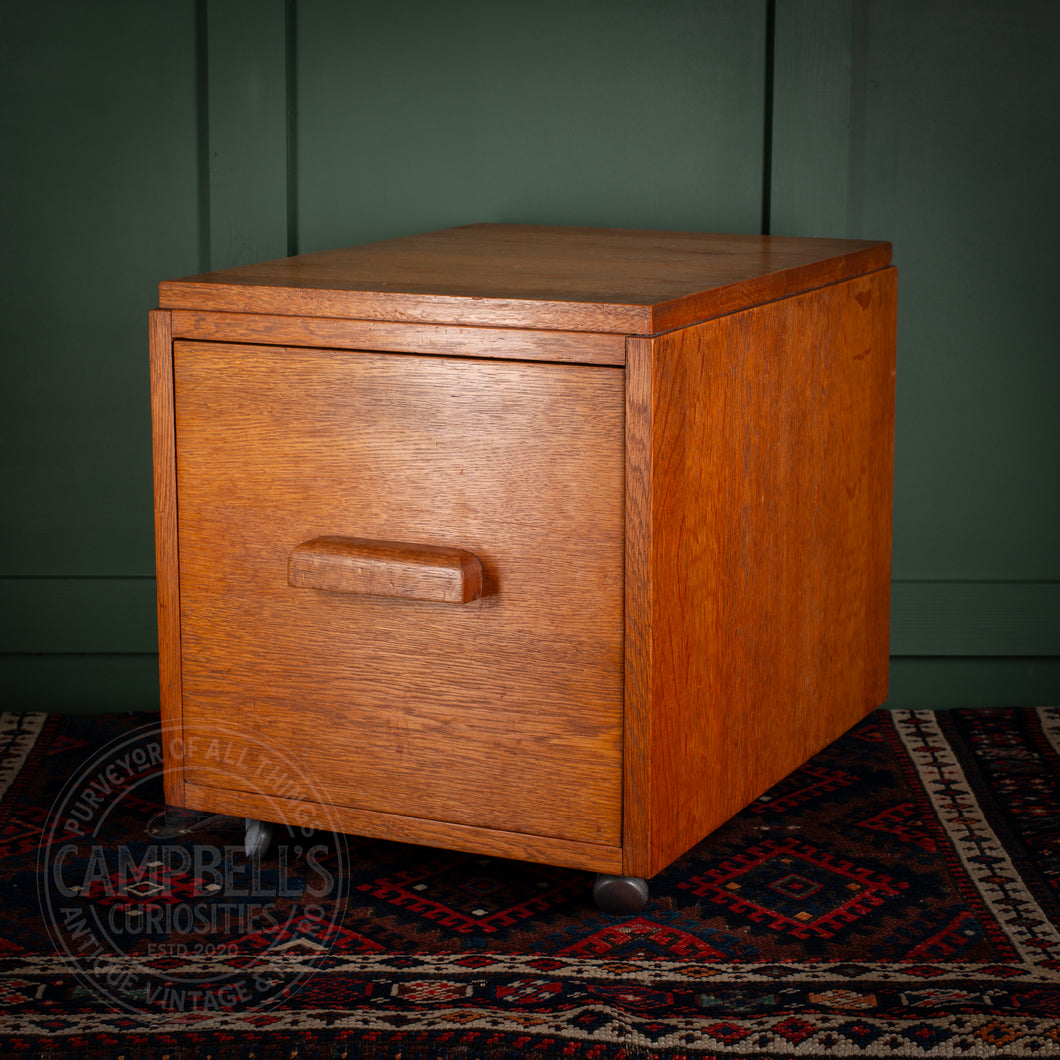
(530, 276)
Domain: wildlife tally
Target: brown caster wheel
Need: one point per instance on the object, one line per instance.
(620, 895)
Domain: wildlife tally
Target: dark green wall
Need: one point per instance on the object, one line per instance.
(100, 197)
(146, 141)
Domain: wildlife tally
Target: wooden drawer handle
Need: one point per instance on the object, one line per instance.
(386, 568)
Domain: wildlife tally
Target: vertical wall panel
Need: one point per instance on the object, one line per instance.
(961, 147)
(98, 123)
(813, 96)
(946, 141)
(246, 114)
(933, 123)
(605, 112)
(98, 109)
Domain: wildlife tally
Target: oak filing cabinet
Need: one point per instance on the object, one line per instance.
(559, 544)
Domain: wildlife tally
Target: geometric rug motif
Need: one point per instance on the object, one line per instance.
(801, 787)
(898, 896)
(794, 887)
(902, 822)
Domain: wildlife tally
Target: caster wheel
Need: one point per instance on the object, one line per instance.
(620, 895)
(174, 822)
(258, 838)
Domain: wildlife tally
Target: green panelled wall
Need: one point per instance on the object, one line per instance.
(98, 129)
(146, 141)
(647, 115)
(940, 127)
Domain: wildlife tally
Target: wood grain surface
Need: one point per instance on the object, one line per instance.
(302, 807)
(386, 568)
(504, 713)
(683, 535)
(167, 575)
(534, 276)
(639, 602)
(510, 344)
(759, 529)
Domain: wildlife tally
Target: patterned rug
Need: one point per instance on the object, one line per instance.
(898, 896)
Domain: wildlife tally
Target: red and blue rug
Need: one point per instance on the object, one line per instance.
(898, 896)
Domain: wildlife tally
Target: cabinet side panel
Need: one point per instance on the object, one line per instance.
(166, 569)
(771, 540)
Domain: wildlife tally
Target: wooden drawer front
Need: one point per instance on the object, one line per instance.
(505, 712)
